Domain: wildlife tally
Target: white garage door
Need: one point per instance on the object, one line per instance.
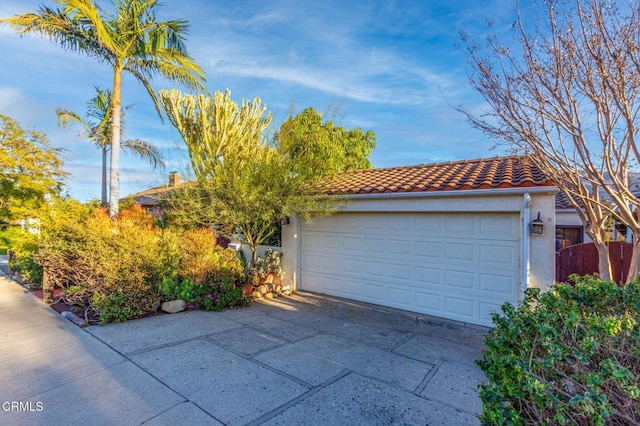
(456, 266)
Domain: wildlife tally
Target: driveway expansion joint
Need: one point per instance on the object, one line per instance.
(312, 391)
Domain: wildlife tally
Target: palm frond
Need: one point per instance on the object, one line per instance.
(145, 151)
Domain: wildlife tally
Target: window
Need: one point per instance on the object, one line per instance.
(567, 236)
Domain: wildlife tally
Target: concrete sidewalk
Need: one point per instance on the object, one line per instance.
(306, 359)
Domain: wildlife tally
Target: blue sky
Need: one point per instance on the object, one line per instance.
(391, 66)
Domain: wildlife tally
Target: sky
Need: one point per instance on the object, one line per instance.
(394, 67)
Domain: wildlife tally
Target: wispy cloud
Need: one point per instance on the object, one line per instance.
(391, 64)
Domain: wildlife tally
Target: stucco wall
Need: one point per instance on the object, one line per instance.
(542, 247)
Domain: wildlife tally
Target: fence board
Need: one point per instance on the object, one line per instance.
(582, 259)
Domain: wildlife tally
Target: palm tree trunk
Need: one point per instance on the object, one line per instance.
(105, 202)
(114, 172)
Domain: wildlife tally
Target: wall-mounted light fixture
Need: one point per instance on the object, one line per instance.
(537, 226)
(284, 220)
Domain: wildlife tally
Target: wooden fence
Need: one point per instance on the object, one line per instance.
(582, 259)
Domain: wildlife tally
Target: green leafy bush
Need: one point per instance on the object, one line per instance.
(568, 356)
(215, 296)
(23, 246)
(174, 288)
(8, 233)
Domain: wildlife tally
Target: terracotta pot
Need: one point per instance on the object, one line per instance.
(247, 289)
(271, 278)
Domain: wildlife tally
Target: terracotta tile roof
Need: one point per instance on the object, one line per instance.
(153, 196)
(562, 202)
(491, 173)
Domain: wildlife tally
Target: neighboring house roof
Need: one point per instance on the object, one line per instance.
(562, 201)
(490, 173)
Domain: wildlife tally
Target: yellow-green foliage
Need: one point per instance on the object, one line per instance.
(201, 259)
(123, 267)
(118, 263)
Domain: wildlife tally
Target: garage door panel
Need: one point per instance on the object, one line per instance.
(429, 224)
(403, 247)
(460, 251)
(373, 245)
(457, 225)
(373, 291)
(501, 284)
(401, 224)
(374, 224)
(400, 272)
(496, 254)
(352, 243)
(428, 302)
(426, 276)
(458, 266)
(460, 307)
(350, 287)
(429, 249)
(503, 227)
(400, 297)
(374, 270)
(459, 279)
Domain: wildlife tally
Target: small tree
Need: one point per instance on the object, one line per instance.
(568, 94)
(30, 169)
(320, 148)
(97, 129)
(216, 129)
(242, 181)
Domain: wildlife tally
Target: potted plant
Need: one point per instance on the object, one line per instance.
(269, 267)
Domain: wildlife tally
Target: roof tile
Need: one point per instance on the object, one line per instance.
(497, 172)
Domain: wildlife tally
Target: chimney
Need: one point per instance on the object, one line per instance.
(174, 179)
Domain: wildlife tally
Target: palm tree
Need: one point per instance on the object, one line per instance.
(97, 130)
(130, 39)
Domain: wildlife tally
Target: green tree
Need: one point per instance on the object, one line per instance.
(130, 39)
(97, 129)
(216, 129)
(242, 181)
(30, 169)
(321, 148)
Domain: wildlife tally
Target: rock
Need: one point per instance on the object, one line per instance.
(269, 295)
(263, 289)
(286, 292)
(173, 306)
(257, 294)
(73, 318)
(277, 288)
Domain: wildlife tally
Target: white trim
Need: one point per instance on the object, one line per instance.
(455, 193)
(526, 249)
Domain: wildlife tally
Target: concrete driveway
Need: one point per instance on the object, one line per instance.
(306, 359)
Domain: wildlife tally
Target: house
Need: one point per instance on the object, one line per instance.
(452, 240)
(151, 199)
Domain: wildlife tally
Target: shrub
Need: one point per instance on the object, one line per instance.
(568, 356)
(23, 246)
(117, 265)
(201, 259)
(268, 264)
(173, 288)
(215, 296)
